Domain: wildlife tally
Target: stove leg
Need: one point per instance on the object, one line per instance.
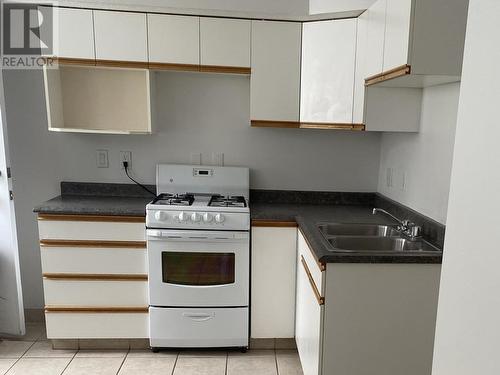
(155, 350)
(243, 349)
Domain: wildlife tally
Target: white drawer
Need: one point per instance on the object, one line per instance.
(188, 327)
(314, 268)
(68, 292)
(91, 260)
(102, 325)
(92, 230)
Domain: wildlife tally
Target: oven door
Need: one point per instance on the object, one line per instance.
(192, 268)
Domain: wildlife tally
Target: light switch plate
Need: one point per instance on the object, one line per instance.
(102, 159)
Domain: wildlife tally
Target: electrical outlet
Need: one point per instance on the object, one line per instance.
(388, 177)
(126, 156)
(102, 159)
(195, 158)
(218, 159)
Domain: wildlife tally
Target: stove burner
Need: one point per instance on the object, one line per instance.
(231, 201)
(174, 200)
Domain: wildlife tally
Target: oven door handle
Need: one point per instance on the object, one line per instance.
(193, 236)
(198, 317)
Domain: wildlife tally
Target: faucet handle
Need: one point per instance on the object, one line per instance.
(414, 231)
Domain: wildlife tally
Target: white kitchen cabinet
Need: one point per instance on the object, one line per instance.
(273, 282)
(94, 276)
(120, 36)
(225, 42)
(308, 313)
(174, 39)
(360, 70)
(397, 33)
(73, 32)
(422, 45)
(327, 78)
(275, 79)
(375, 30)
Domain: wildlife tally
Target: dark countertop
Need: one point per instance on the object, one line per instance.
(94, 205)
(306, 216)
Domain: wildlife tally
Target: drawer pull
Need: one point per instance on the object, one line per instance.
(94, 244)
(321, 300)
(95, 310)
(199, 317)
(104, 277)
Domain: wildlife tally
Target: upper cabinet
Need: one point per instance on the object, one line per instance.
(327, 78)
(74, 32)
(225, 43)
(174, 39)
(120, 36)
(373, 38)
(275, 79)
(397, 33)
(423, 42)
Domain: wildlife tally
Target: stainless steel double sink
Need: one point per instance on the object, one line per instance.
(372, 239)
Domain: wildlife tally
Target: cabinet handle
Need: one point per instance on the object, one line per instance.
(321, 300)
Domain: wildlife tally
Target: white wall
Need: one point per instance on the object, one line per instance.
(195, 113)
(468, 325)
(423, 160)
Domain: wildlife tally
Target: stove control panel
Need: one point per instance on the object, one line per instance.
(198, 220)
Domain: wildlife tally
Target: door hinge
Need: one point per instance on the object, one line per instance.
(11, 195)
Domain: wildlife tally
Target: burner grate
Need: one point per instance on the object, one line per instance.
(174, 199)
(231, 201)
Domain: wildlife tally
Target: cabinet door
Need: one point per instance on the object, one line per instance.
(174, 39)
(397, 33)
(375, 39)
(120, 36)
(360, 73)
(73, 32)
(327, 82)
(275, 79)
(225, 42)
(308, 319)
(273, 282)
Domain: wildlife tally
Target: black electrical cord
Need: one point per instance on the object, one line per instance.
(125, 166)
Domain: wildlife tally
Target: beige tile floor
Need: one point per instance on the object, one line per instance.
(33, 355)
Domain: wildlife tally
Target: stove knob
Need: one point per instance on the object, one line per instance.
(219, 218)
(161, 216)
(207, 217)
(195, 217)
(183, 216)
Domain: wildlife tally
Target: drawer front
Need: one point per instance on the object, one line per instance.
(91, 230)
(90, 260)
(187, 327)
(314, 268)
(83, 325)
(66, 292)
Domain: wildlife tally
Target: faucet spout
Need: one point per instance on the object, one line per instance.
(405, 226)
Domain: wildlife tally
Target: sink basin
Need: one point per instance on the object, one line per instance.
(335, 229)
(380, 245)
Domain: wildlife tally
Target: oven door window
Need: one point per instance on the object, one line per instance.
(189, 268)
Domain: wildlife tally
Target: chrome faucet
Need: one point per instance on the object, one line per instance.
(406, 227)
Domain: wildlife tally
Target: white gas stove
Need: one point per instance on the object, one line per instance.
(199, 257)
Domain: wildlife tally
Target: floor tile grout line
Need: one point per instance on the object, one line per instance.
(124, 358)
(175, 363)
(71, 360)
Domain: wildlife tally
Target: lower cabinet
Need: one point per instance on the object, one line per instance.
(94, 276)
(273, 281)
(365, 318)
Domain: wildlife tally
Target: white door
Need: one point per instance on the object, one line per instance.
(11, 301)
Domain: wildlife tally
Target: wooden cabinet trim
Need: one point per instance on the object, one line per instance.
(122, 64)
(94, 244)
(389, 74)
(94, 277)
(99, 218)
(331, 126)
(177, 67)
(319, 298)
(306, 125)
(73, 61)
(274, 223)
(225, 69)
(321, 266)
(93, 310)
